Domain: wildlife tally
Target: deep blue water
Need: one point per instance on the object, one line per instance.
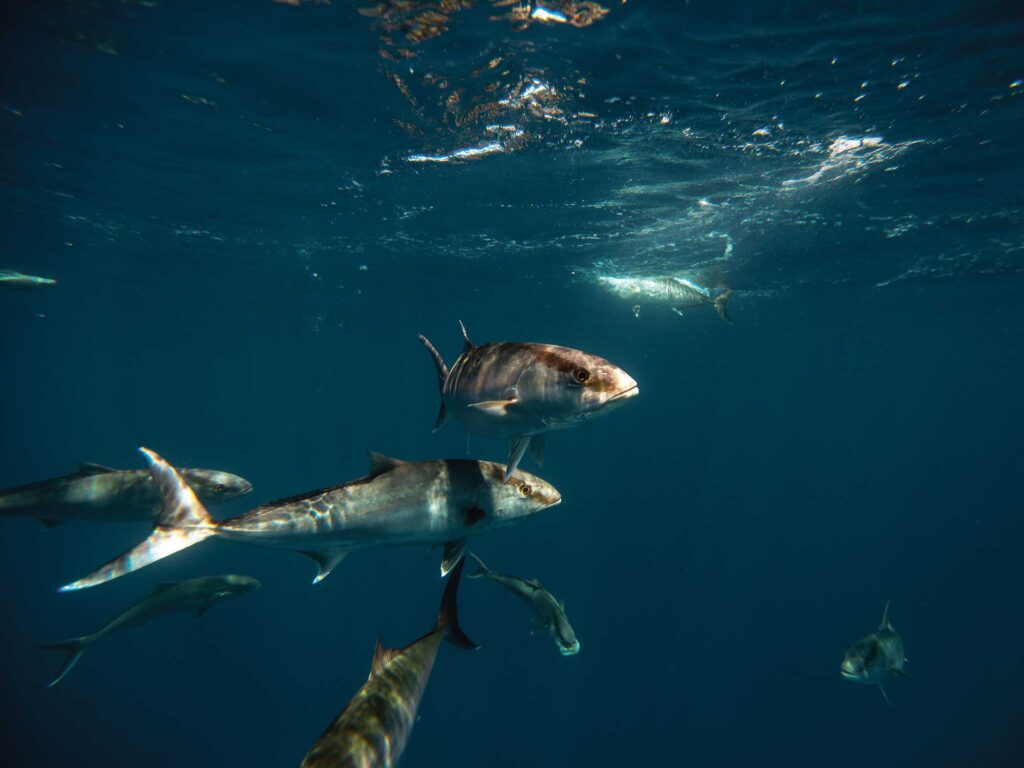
(249, 224)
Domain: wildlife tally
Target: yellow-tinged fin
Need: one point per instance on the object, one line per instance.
(495, 407)
(382, 657)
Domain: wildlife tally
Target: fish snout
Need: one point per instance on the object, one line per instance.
(848, 669)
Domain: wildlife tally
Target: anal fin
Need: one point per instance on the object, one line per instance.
(326, 561)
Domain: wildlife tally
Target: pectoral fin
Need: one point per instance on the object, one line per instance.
(884, 694)
(326, 561)
(516, 450)
(453, 552)
(537, 446)
(495, 407)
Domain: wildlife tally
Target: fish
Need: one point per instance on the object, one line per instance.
(520, 391)
(548, 612)
(197, 594)
(441, 502)
(876, 658)
(18, 281)
(373, 729)
(678, 292)
(100, 493)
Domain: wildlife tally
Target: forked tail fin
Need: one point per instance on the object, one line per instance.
(481, 569)
(719, 304)
(74, 648)
(442, 377)
(183, 522)
(448, 616)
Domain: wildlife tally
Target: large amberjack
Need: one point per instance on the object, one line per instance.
(197, 594)
(678, 292)
(399, 502)
(520, 391)
(877, 657)
(95, 492)
(372, 731)
(11, 279)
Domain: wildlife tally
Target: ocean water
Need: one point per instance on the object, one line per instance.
(252, 208)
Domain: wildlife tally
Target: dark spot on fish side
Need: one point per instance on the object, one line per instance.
(474, 515)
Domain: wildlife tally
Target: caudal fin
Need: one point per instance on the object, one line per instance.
(183, 522)
(448, 616)
(74, 648)
(719, 304)
(442, 377)
(481, 569)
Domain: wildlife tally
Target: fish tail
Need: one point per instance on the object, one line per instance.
(74, 648)
(448, 616)
(442, 377)
(183, 522)
(481, 569)
(719, 304)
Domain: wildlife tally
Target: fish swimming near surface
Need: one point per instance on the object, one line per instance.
(372, 731)
(520, 391)
(95, 492)
(197, 594)
(876, 658)
(399, 502)
(678, 292)
(18, 281)
(548, 612)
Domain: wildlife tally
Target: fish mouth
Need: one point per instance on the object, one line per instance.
(848, 675)
(624, 394)
(554, 503)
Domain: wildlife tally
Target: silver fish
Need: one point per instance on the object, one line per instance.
(96, 492)
(18, 281)
(876, 658)
(520, 391)
(372, 731)
(678, 292)
(399, 502)
(167, 598)
(548, 612)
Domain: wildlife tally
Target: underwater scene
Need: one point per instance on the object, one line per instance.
(510, 383)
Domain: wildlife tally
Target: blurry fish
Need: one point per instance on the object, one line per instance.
(679, 292)
(520, 391)
(399, 502)
(877, 657)
(16, 280)
(198, 593)
(548, 613)
(95, 492)
(373, 729)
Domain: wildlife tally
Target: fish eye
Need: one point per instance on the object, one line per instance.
(220, 488)
(581, 375)
(525, 489)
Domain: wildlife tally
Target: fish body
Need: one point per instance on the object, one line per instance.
(95, 492)
(18, 281)
(372, 731)
(678, 292)
(197, 594)
(548, 612)
(520, 391)
(399, 502)
(877, 657)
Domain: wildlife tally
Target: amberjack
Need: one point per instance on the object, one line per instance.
(372, 731)
(96, 492)
(198, 593)
(399, 502)
(11, 279)
(678, 292)
(548, 611)
(877, 657)
(520, 391)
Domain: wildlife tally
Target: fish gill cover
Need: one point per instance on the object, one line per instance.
(226, 223)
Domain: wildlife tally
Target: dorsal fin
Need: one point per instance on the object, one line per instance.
(467, 345)
(885, 616)
(379, 463)
(382, 657)
(88, 468)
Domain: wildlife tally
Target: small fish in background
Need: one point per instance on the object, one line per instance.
(18, 281)
(372, 731)
(399, 502)
(198, 593)
(876, 658)
(678, 292)
(548, 612)
(100, 493)
(520, 391)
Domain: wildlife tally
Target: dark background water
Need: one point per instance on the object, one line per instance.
(245, 252)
